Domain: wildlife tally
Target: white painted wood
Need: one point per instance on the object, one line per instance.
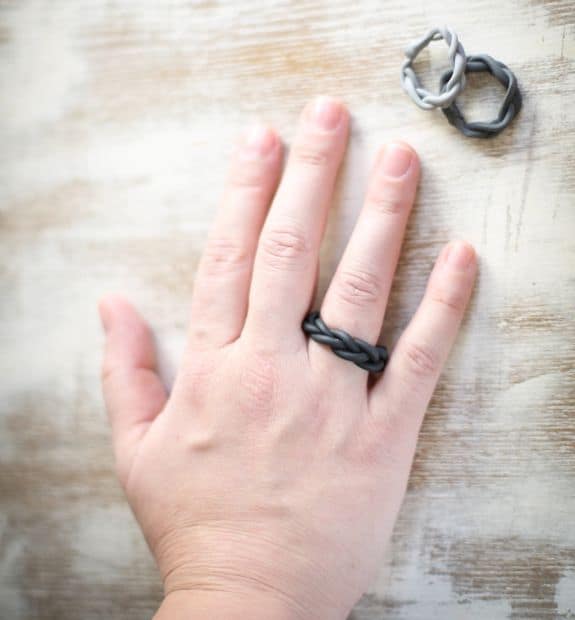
(116, 119)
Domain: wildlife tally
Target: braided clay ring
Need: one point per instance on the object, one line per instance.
(372, 358)
(454, 85)
(510, 105)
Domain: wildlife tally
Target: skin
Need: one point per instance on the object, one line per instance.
(268, 481)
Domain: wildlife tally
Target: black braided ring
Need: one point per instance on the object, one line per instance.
(509, 107)
(372, 358)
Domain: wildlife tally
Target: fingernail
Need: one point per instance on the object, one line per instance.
(326, 113)
(259, 141)
(459, 255)
(396, 160)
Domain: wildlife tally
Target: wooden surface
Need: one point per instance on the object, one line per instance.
(116, 118)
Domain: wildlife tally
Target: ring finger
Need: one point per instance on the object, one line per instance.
(356, 298)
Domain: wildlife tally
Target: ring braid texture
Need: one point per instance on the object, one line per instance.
(510, 105)
(456, 55)
(372, 358)
(453, 81)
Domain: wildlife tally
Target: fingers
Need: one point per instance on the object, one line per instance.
(133, 391)
(411, 375)
(287, 255)
(222, 282)
(358, 293)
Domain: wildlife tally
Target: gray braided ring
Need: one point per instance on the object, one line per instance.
(372, 358)
(510, 105)
(457, 60)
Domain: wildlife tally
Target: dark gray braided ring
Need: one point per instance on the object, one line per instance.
(372, 358)
(509, 107)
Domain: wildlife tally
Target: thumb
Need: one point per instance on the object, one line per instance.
(133, 391)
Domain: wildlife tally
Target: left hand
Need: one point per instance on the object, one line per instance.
(268, 482)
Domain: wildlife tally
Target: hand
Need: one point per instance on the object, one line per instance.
(268, 482)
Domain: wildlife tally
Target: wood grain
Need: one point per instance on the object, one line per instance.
(116, 119)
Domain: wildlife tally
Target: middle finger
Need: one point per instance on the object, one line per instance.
(288, 250)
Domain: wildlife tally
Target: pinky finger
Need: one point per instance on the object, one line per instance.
(410, 378)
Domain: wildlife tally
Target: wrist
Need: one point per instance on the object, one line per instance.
(221, 573)
(207, 605)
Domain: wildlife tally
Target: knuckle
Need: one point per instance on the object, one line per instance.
(450, 300)
(388, 203)
(197, 376)
(258, 380)
(284, 246)
(199, 333)
(247, 176)
(309, 154)
(358, 287)
(422, 360)
(224, 255)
